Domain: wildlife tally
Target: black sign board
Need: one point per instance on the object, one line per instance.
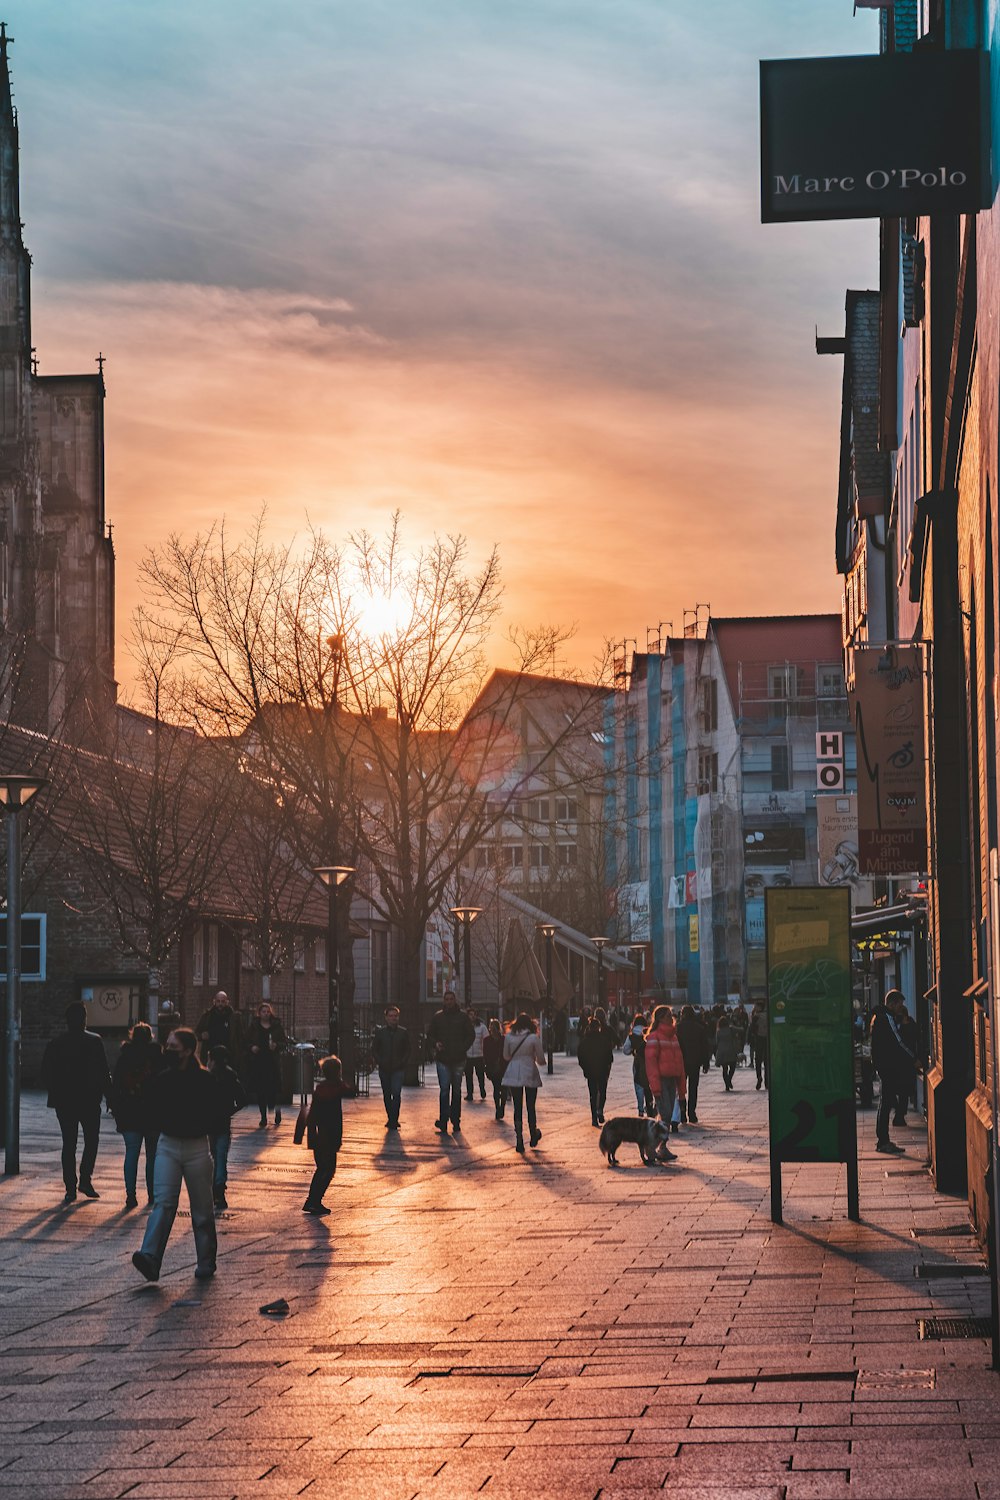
(873, 137)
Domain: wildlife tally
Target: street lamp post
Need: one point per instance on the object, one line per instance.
(600, 943)
(15, 794)
(548, 931)
(340, 1024)
(466, 915)
(638, 953)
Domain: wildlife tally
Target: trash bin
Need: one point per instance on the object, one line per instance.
(287, 1071)
(305, 1067)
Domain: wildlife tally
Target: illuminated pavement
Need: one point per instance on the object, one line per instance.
(471, 1322)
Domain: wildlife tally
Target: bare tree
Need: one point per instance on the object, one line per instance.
(358, 675)
(154, 807)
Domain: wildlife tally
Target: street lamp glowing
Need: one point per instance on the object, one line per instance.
(600, 943)
(17, 791)
(466, 915)
(340, 1036)
(548, 931)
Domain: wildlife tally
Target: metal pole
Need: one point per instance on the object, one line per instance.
(638, 980)
(600, 977)
(12, 1113)
(467, 959)
(549, 1065)
(331, 968)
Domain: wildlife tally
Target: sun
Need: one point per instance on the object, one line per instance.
(381, 614)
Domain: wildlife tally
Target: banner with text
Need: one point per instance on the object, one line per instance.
(887, 705)
(869, 137)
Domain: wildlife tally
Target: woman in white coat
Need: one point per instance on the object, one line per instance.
(522, 1050)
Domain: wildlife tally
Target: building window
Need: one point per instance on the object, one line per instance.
(708, 773)
(566, 810)
(566, 854)
(248, 955)
(539, 855)
(779, 768)
(319, 955)
(198, 955)
(32, 947)
(213, 953)
(299, 954)
(513, 856)
(710, 704)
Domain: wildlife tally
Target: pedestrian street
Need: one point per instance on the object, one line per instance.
(468, 1321)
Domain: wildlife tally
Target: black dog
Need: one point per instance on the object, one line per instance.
(647, 1135)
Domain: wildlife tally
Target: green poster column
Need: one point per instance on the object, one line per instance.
(811, 1055)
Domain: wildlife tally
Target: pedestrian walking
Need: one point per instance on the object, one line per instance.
(266, 1042)
(325, 1131)
(494, 1063)
(909, 1037)
(892, 1061)
(229, 1098)
(474, 1065)
(75, 1072)
(696, 1049)
(759, 1043)
(137, 1064)
(391, 1053)
(635, 1047)
(664, 1066)
(596, 1057)
(182, 1105)
(220, 1026)
(449, 1036)
(726, 1051)
(523, 1052)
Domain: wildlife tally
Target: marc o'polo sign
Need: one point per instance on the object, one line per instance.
(869, 137)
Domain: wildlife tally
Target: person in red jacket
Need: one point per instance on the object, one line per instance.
(664, 1061)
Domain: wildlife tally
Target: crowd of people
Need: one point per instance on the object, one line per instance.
(174, 1098)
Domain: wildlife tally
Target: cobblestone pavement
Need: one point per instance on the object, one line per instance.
(472, 1322)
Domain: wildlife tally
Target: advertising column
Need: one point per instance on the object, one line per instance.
(811, 1076)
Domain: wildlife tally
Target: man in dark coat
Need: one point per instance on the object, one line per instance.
(221, 1026)
(75, 1072)
(697, 1049)
(450, 1036)
(893, 1062)
(391, 1051)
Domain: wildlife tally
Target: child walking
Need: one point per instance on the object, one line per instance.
(325, 1130)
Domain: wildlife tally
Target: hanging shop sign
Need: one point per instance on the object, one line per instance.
(869, 137)
(809, 1015)
(887, 705)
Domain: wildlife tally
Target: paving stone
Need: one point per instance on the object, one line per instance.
(625, 1332)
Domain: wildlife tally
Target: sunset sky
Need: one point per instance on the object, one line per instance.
(495, 263)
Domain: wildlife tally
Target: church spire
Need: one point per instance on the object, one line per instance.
(6, 102)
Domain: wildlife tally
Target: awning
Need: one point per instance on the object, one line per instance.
(885, 919)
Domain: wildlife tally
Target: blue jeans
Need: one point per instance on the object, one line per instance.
(392, 1093)
(134, 1141)
(219, 1147)
(665, 1099)
(182, 1160)
(451, 1077)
